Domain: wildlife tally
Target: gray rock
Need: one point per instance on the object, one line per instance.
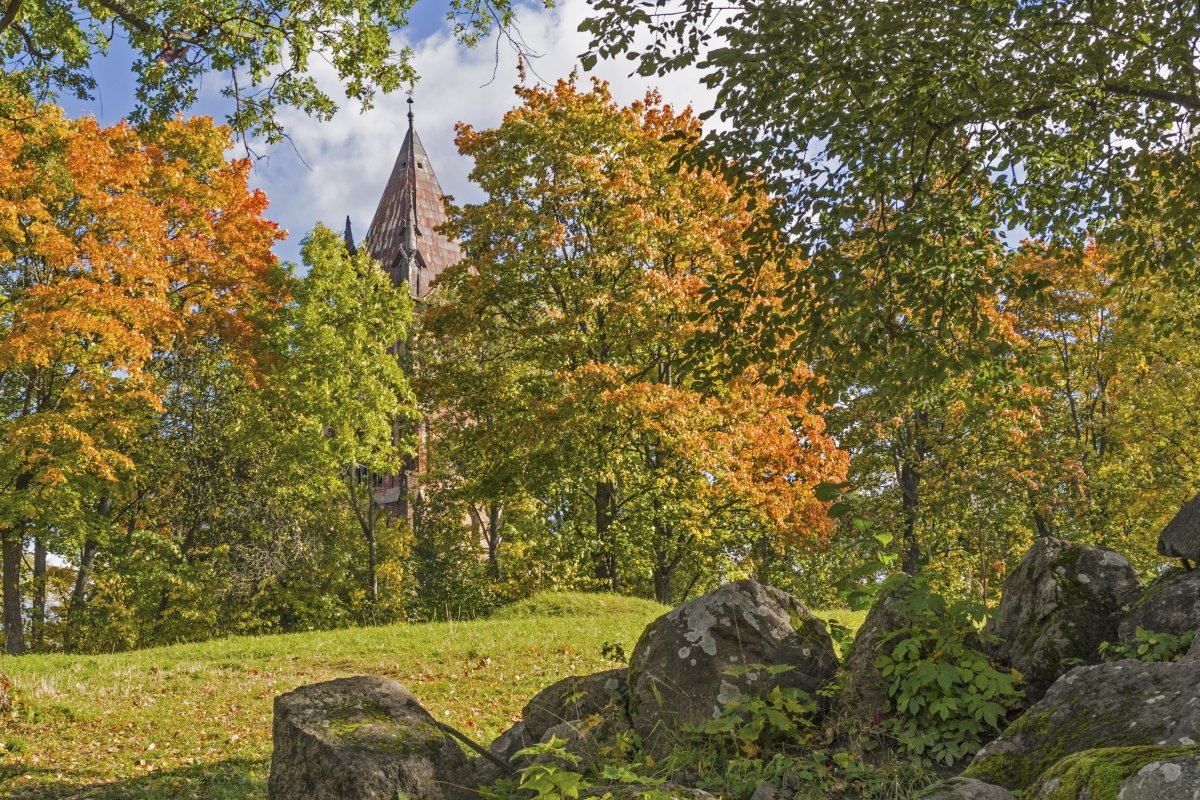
(1170, 604)
(966, 789)
(1058, 606)
(362, 738)
(1181, 537)
(574, 698)
(1193, 652)
(1171, 779)
(679, 670)
(1121, 705)
(863, 695)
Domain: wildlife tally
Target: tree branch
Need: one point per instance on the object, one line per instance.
(10, 15)
(1188, 101)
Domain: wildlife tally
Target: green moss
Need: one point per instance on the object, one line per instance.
(370, 725)
(345, 722)
(1098, 774)
(1018, 770)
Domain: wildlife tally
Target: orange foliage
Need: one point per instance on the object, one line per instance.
(115, 249)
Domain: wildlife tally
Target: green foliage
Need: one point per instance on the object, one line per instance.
(549, 776)
(778, 736)
(264, 48)
(945, 695)
(952, 132)
(566, 369)
(1149, 646)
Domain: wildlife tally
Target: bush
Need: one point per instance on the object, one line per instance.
(945, 694)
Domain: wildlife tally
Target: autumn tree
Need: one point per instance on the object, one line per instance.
(114, 248)
(585, 273)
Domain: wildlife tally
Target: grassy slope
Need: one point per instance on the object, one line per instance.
(194, 721)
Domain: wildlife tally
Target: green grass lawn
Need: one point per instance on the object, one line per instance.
(194, 720)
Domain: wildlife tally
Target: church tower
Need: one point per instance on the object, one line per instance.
(403, 237)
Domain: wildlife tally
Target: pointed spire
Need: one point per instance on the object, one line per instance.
(410, 222)
(348, 237)
(404, 233)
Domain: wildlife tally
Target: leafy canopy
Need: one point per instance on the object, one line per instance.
(902, 136)
(261, 50)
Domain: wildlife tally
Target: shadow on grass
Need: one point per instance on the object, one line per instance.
(231, 779)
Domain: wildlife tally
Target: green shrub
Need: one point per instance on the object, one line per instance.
(946, 697)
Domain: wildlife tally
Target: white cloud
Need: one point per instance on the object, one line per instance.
(350, 157)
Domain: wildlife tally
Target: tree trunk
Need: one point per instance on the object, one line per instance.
(37, 627)
(663, 593)
(1043, 528)
(87, 559)
(910, 481)
(14, 625)
(495, 525)
(372, 577)
(606, 514)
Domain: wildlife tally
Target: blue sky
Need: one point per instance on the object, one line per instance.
(337, 168)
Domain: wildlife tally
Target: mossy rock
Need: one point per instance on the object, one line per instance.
(1098, 774)
(1170, 604)
(1127, 704)
(363, 738)
(691, 661)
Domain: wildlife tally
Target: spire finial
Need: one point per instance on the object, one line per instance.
(410, 113)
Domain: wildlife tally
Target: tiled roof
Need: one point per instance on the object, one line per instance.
(412, 178)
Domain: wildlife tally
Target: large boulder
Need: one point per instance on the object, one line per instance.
(680, 670)
(1170, 778)
(1170, 604)
(1125, 704)
(966, 789)
(864, 692)
(1058, 606)
(1101, 774)
(1181, 537)
(579, 702)
(362, 738)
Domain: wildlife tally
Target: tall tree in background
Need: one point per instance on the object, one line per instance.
(113, 248)
(346, 389)
(586, 272)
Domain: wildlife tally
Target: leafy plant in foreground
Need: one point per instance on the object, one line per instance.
(945, 694)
